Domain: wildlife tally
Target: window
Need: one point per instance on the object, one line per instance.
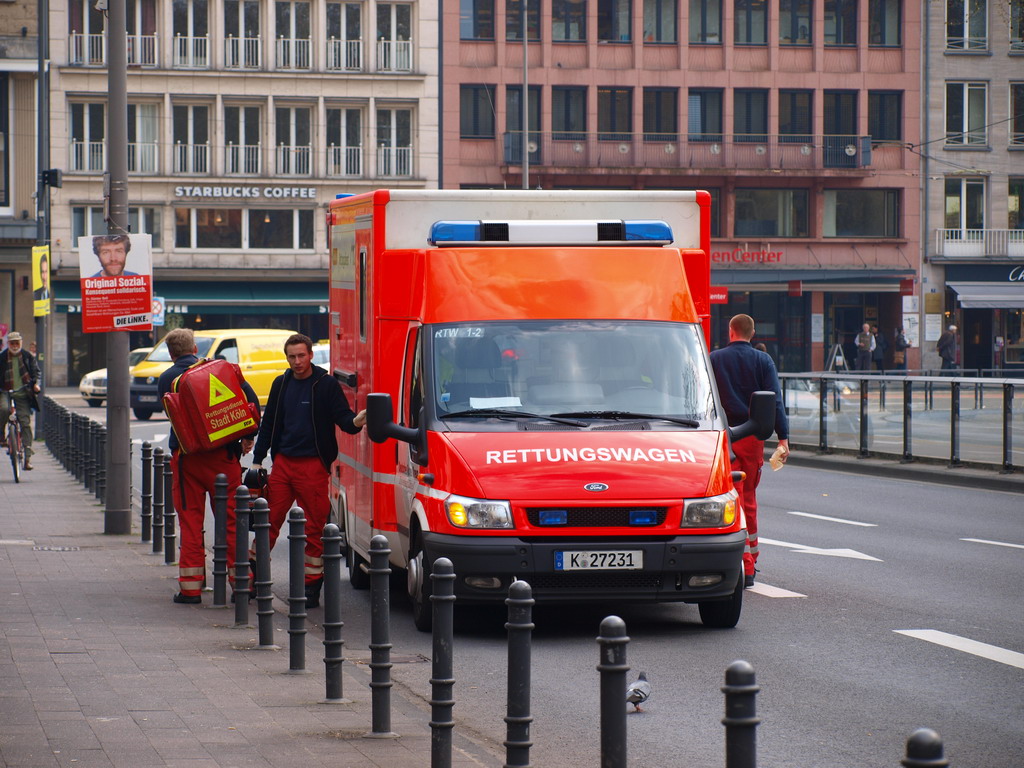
(142, 138)
(885, 20)
(345, 36)
(716, 211)
(614, 113)
(750, 112)
(279, 228)
(476, 19)
(885, 116)
(965, 204)
(514, 123)
(242, 141)
(966, 25)
(88, 220)
(256, 228)
(242, 34)
(840, 128)
(704, 118)
(394, 142)
(87, 38)
(568, 21)
(796, 116)
(613, 20)
(795, 22)
(568, 113)
(292, 32)
(191, 27)
(514, 19)
(966, 110)
(394, 37)
(344, 142)
(191, 129)
(706, 21)
(476, 107)
(141, 41)
(5, 143)
(1017, 114)
(1015, 203)
(861, 213)
(751, 22)
(293, 140)
(840, 22)
(88, 128)
(661, 114)
(771, 213)
(1017, 25)
(660, 21)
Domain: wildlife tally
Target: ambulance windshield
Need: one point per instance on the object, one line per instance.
(555, 367)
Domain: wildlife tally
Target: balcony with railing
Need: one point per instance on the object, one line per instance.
(88, 156)
(142, 50)
(142, 157)
(345, 55)
(666, 151)
(293, 160)
(979, 243)
(394, 161)
(191, 52)
(191, 158)
(242, 53)
(87, 50)
(243, 160)
(394, 55)
(293, 53)
(344, 161)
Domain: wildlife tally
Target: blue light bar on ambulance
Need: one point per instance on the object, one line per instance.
(550, 232)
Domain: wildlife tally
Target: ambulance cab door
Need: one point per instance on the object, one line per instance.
(409, 415)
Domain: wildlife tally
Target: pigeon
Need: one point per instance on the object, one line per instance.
(638, 692)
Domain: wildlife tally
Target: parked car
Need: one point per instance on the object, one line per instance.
(322, 356)
(93, 385)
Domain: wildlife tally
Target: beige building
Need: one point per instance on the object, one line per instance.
(245, 117)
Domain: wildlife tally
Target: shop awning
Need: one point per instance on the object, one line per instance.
(989, 295)
(222, 298)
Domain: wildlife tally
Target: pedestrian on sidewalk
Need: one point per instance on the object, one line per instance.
(740, 370)
(865, 347)
(947, 348)
(881, 347)
(194, 475)
(900, 346)
(298, 431)
(20, 375)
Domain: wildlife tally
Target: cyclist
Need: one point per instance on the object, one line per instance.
(19, 373)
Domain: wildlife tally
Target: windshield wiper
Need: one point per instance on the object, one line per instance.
(616, 415)
(500, 412)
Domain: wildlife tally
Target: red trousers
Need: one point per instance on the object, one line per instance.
(193, 478)
(302, 480)
(749, 458)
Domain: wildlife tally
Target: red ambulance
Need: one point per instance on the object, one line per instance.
(540, 401)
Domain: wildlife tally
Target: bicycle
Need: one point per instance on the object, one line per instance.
(15, 446)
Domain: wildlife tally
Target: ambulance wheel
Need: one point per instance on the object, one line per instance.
(419, 589)
(142, 414)
(358, 578)
(723, 614)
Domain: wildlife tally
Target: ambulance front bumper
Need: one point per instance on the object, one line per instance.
(674, 569)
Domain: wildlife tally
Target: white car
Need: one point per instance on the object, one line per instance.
(322, 356)
(93, 385)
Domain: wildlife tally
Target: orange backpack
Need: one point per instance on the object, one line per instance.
(208, 408)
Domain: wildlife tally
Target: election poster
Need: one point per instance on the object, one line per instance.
(40, 280)
(116, 273)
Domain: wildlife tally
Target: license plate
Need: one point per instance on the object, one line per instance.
(600, 560)
(147, 398)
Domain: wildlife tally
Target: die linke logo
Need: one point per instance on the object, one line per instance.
(219, 391)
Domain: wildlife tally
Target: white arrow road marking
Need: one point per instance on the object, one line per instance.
(801, 548)
(984, 650)
(996, 543)
(833, 519)
(769, 591)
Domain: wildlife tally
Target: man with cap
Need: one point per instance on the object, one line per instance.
(19, 374)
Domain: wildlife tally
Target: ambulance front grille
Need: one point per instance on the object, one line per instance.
(595, 517)
(595, 580)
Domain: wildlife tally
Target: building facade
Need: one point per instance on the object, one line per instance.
(245, 117)
(796, 116)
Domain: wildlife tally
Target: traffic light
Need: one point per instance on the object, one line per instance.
(53, 177)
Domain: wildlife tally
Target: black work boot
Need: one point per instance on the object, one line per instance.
(313, 592)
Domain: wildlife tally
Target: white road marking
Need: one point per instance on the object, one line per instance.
(803, 549)
(957, 643)
(770, 591)
(16, 543)
(996, 543)
(833, 519)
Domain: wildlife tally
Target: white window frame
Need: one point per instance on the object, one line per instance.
(966, 136)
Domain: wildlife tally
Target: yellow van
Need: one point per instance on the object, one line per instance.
(259, 352)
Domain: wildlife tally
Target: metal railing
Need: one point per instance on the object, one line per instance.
(87, 156)
(142, 157)
(242, 159)
(979, 242)
(243, 52)
(142, 50)
(344, 161)
(191, 52)
(394, 55)
(345, 55)
(394, 161)
(191, 158)
(293, 160)
(293, 53)
(87, 50)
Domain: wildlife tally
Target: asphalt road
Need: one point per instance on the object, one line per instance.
(881, 606)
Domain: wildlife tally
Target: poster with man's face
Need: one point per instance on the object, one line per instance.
(40, 280)
(116, 275)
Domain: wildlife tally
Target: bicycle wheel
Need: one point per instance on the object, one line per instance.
(15, 450)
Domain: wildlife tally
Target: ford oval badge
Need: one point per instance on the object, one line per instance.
(595, 487)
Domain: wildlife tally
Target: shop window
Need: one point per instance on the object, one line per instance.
(706, 22)
(885, 20)
(88, 220)
(568, 21)
(861, 213)
(255, 228)
(771, 213)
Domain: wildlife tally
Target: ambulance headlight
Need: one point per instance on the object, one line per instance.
(711, 512)
(478, 513)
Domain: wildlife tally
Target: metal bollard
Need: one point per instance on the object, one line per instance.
(101, 475)
(147, 491)
(158, 500)
(517, 719)
(954, 424)
(242, 589)
(89, 462)
(741, 718)
(296, 591)
(924, 750)
(264, 597)
(1007, 429)
(442, 682)
(380, 638)
(170, 540)
(333, 643)
(220, 541)
(613, 668)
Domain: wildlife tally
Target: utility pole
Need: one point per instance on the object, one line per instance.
(118, 512)
(526, 101)
(43, 176)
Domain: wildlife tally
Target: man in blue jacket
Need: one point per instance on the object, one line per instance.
(740, 370)
(298, 425)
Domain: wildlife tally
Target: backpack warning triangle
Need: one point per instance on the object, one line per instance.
(208, 408)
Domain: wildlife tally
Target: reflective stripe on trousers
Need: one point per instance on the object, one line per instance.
(304, 481)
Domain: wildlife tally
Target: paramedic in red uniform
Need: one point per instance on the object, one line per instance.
(194, 475)
(740, 370)
(304, 406)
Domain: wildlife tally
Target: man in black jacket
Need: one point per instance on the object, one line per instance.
(20, 375)
(298, 431)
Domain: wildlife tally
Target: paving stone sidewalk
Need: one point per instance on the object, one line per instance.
(98, 668)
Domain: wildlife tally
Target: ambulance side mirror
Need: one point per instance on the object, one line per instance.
(380, 426)
(761, 423)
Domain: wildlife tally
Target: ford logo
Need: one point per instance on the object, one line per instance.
(595, 487)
